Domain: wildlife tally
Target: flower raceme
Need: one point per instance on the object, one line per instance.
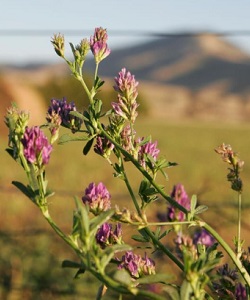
(180, 195)
(36, 147)
(137, 265)
(59, 113)
(148, 149)
(97, 198)
(107, 236)
(126, 86)
(98, 44)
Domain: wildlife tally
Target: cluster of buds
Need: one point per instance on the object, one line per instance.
(245, 259)
(228, 285)
(58, 43)
(147, 153)
(98, 44)
(126, 216)
(185, 245)
(136, 265)
(59, 114)
(106, 236)
(16, 121)
(126, 87)
(97, 197)
(80, 51)
(230, 157)
(36, 147)
(103, 147)
(179, 195)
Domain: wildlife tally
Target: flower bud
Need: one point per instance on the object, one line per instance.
(58, 43)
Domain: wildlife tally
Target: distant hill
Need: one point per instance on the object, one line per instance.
(180, 78)
(188, 61)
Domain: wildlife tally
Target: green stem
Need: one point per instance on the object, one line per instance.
(143, 171)
(58, 230)
(239, 226)
(229, 251)
(155, 241)
(96, 70)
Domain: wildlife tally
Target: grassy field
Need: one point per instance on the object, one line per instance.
(34, 254)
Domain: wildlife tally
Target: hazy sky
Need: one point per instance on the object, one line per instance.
(133, 15)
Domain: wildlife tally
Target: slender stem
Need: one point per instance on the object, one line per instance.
(239, 226)
(143, 171)
(58, 230)
(96, 70)
(155, 241)
(229, 251)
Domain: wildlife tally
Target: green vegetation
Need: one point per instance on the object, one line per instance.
(32, 250)
(67, 86)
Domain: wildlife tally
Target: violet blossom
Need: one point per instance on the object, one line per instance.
(126, 86)
(107, 236)
(98, 44)
(37, 149)
(179, 194)
(103, 146)
(97, 198)
(137, 265)
(147, 150)
(240, 292)
(62, 109)
(204, 238)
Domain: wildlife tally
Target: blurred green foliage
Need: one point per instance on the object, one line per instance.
(67, 86)
(30, 264)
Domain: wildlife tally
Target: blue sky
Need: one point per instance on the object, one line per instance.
(141, 15)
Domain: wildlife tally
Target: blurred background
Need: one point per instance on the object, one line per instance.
(192, 61)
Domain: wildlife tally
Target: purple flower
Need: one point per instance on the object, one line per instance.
(240, 292)
(204, 238)
(103, 234)
(98, 44)
(36, 146)
(147, 150)
(126, 86)
(107, 236)
(180, 195)
(136, 265)
(97, 197)
(103, 146)
(62, 109)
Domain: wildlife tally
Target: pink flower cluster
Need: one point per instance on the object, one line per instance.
(98, 44)
(97, 198)
(137, 265)
(37, 149)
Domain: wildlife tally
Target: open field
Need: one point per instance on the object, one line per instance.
(34, 254)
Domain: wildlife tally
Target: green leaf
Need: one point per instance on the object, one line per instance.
(71, 264)
(88, 146)
(139, 238)
(186, 290)
(26, 190)
(97, 221)
(98, 83)
(78, 115)
(193, 203)
(156, 278)
(79, 272)
(200, 209)
(172, 292)
(66, 138)
(123, 277)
